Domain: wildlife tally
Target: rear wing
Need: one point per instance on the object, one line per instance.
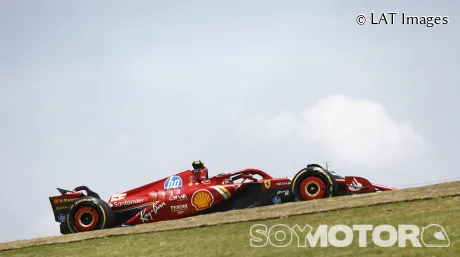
(61, 204)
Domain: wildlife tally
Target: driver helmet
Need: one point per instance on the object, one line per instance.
(198, 165)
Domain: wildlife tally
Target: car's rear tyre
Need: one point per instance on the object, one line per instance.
(312, 183)
(64, 229)
(89, 214)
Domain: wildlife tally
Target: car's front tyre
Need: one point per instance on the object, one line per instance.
(313, 182)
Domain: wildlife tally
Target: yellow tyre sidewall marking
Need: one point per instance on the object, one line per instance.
(104, 218)
(331, 185)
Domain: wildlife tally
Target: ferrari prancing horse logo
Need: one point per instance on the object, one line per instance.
(267, 183)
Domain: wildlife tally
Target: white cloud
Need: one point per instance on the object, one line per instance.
(348, 131)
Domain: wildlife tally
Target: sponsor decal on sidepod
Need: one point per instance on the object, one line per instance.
(202, 199)
(283, 183)
(173, 182)
(155, 208)
(127, 203)
(179, 208)
(178, 198)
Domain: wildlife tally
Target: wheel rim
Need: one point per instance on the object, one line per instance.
(86, 219)
(312, 188)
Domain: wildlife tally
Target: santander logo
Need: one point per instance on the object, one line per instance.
(127, 202)
(355, 186)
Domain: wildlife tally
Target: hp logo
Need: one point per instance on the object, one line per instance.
(173, 182)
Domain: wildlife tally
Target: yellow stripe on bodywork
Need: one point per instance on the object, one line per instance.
(219, 189)
(226, 191)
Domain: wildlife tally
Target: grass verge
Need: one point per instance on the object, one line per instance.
(231, 239)
(289, 211)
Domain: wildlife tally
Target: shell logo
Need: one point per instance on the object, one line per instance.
(202, 199)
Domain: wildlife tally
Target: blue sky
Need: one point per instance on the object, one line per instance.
(113, 95)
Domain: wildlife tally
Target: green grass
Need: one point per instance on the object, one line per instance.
(234, 239)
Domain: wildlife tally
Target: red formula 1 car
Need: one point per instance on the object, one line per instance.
(192, 193)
